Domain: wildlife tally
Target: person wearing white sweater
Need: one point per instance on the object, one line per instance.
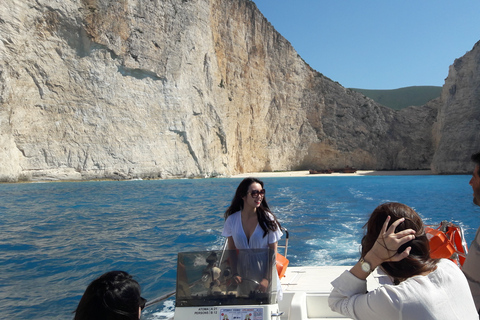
(471, 266)
(422, 287)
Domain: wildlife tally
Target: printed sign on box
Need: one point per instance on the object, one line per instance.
(241, 314)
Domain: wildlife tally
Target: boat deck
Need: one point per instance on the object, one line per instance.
(306, 291)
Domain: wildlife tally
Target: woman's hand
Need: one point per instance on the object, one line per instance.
(385, 248)
(388, 242)
(262, 287)
(236, 278)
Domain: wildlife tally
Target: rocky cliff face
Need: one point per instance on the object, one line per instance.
(457, 129)
(182, 88)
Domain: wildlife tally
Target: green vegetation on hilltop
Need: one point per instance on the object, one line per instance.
(404, 97)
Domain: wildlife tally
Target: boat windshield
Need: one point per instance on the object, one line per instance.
(226, 277)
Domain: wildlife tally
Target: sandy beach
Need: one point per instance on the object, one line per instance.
(305, 173)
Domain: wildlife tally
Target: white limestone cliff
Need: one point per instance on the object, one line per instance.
(457, 129)
(179, 88)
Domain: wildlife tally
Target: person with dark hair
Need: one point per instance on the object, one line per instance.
(421, 288)
(250, 224)
(114, 295)
(471, 266)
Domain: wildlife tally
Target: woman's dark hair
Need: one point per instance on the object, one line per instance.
(476, 159)
(114, 295)
(263, 219)
(418, 261)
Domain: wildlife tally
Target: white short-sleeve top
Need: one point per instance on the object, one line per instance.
(233, 227)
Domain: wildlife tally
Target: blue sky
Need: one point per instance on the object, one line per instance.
(378, 44)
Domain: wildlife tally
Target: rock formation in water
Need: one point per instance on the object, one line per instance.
(188, 88)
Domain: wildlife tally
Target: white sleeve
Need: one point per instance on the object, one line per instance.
(227, 227)
(274, 236)
(349, 297)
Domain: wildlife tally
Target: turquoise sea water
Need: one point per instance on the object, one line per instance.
(55, 238)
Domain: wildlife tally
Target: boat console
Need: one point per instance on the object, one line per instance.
(206, 286)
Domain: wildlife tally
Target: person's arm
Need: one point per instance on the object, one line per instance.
(273, 247)
(231, 244)
(471, 269)
(349, 295)
(232, 248)
(264, 283)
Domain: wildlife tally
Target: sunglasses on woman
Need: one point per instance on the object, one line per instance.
(256, 193)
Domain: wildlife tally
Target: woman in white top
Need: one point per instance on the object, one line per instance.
(249, 224)
(423, 288)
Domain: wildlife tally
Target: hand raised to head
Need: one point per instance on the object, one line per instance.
(388, 242)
